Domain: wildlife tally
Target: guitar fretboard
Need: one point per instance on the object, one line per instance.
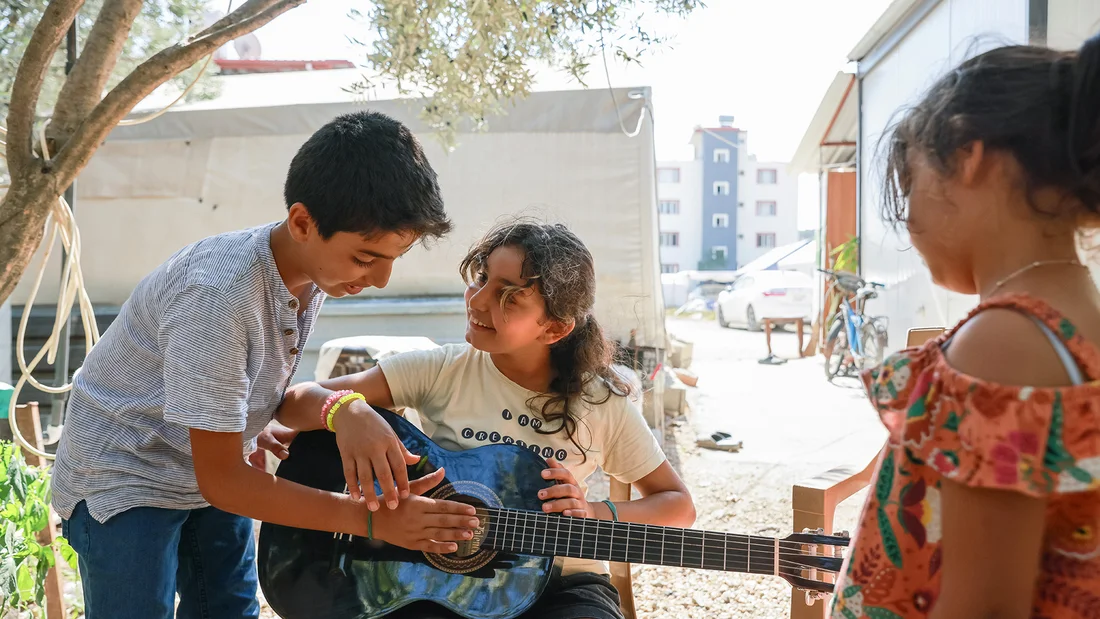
(526, 532)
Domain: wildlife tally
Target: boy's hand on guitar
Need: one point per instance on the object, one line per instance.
(370, 449)
(428, 525)
(566, 496)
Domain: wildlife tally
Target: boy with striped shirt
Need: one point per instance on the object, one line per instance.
(151, 477)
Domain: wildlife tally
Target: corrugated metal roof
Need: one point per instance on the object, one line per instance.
(894, 14)
(830, 136)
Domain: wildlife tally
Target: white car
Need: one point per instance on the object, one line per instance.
(765, 294)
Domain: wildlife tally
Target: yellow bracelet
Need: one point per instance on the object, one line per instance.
(335, 407)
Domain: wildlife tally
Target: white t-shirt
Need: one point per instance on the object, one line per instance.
(464, 401)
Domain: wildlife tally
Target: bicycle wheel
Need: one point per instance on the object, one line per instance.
(836, 350)
(871, 340)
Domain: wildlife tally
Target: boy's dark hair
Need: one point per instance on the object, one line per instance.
(559, 266)
(365, 172)
(1040, 105)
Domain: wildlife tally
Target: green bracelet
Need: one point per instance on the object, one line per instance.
(611, 506)
(370, 525)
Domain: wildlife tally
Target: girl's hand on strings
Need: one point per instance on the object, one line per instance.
(565, 496)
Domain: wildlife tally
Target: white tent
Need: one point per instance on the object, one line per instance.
(774, 258)
(563, 156)
(803, 259)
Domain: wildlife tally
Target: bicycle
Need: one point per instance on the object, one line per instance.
(855, 341)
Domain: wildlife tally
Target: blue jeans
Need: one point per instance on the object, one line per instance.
(133, 565)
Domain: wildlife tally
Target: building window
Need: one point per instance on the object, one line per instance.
(720, 220)
(766, 176)
(670, 239)
(721, 155)
(765, 239)
(765, 208)
(670, 268)
(719, 253)
(668, 207)
(668, 175)
(721, 188)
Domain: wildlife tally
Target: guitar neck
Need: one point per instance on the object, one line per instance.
(534, 533)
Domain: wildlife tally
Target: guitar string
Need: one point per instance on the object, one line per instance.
(520, 532)
(769, 544)
(511, 516)
(691, 556)
(765, 543)
(758, 541)
(766, 561)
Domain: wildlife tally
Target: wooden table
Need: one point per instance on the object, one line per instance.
(799, 324)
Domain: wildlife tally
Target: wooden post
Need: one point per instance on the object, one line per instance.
(620, 572)
(30, 426)
(800, 325)
(814, 502)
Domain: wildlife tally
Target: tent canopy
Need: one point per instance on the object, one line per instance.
(559, 156)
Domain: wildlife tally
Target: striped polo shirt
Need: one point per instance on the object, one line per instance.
(209, 340)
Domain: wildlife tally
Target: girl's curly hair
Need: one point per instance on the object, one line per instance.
(557, 264)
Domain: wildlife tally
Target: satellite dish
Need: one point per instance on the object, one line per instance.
(248, 47)
(209, 18)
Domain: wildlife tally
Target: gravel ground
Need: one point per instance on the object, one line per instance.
(754, 499)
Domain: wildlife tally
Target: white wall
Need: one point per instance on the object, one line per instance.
(1070, 22)
(785, 222)
(951, 32)
(689, 223)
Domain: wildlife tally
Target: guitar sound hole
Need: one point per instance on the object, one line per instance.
(472, 546)
(471, 555)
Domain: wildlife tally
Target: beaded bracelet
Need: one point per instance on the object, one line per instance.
(611, 506)
(329, 401)
(335, 407)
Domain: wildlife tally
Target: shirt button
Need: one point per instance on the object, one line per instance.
(294, 351)
(294, 303)
(288, 332)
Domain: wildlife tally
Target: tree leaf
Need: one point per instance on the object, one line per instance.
(25, 589)
(67, 553)
(8, 583)
(40, 579)
(17, 484)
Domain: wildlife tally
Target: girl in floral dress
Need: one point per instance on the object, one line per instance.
(986, 499)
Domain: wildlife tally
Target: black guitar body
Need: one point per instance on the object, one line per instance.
(314, 575)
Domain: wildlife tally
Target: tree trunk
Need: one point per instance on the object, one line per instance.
(35, 182)
(23, 212)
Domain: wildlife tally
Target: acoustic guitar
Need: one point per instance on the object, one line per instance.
(514, 553)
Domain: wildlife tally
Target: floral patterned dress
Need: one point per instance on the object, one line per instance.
(1042, 442)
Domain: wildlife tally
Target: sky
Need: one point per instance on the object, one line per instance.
(766, 63)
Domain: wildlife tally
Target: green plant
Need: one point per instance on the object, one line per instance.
(846, 255)
(845, 259)
(24, 511)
